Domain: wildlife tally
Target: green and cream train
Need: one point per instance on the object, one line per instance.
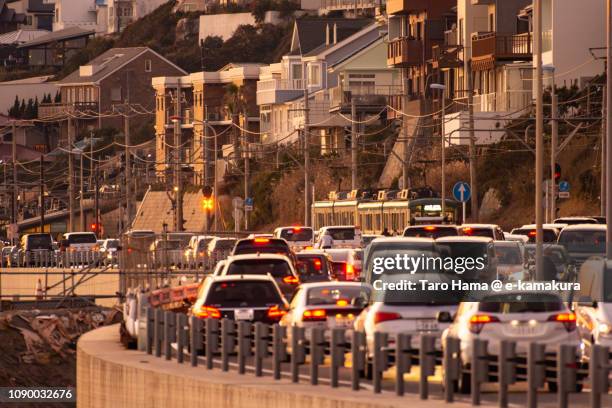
(391, 211)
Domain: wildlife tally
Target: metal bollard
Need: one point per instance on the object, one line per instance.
(169, 333)
(566, 373)
(480, 368)
(261, 346)
(228, 342)
(244, 345)
(298, 355)
(536, 372)
(402, 361)
(150, 329)
(427, 363)
(317, 353)
(337, 350)
(195, 339)
(451, 366)
(599, 370)
(358, 357)
(159, 331)
(211, 330)
(181, 336)
(279, 348)
(380, 361)
(506, 369)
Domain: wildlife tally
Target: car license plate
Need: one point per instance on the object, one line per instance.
(243, 314)
(341, 321)
(524, 330)
(427, 325)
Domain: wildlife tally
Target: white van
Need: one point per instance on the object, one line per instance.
(343, 236)
(298, 238)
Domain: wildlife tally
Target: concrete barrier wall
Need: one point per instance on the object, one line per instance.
(109, 376)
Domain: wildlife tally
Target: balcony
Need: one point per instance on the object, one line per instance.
(59, 110)
(332, 5)
(508, 101)
(406, 6)
(271, 91)
(446, 56)
(404, 52)
(490, 47)
(369, 99)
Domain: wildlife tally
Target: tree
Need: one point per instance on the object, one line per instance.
(14, 110)
(58, 97)
(22, 108)
(29, 111)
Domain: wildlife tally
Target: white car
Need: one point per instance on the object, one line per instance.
(584, 241)
(346, 263)
(492, 231)
(516, 237)
(196, 253)
(520, 316)
(219, 248)
(343, 236)
(511, 262)
(550, 231)
(297, 237)
(327, 305)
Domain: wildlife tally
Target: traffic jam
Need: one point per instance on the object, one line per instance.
(298, 277)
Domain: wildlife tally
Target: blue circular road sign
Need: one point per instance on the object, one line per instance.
(462, 192)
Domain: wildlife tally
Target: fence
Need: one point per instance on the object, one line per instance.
(218, 340)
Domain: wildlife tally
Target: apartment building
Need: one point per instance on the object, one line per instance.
(350, 8)
(38, 14)
(94, 93)
(313, 67)
(209, 104)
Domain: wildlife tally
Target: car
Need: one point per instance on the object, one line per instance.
(297, 237)
(516, 238)
(326, 305)
(431, 231)
(601, 219)
(183, 237)
(36, 249)
(253, 298)
(79, 242)
(367, 238)
(583, 241)
(10, 256)
(196, 252)
(346, 263)
(109, 251)
(262, 245)
(218, 268)
(278, 267)
(517, 315)
(557, 263)
(470, 247)
(260, 235)
(551, 232)
(219, 248)
(511, 262)
(492, 231)
(314, 266)
(166, 252)
(576, 220)
(343, 236)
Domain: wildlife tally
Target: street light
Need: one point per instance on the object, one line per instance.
(442, 88)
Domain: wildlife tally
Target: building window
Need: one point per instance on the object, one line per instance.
(148, 65)
(116, 93)
(314, 75)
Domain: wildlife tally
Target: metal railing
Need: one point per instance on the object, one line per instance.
(171, 335)
(46, 110)
(350, 4)
(370, 95)
(405, 51)
(506, 46)
(280, 84)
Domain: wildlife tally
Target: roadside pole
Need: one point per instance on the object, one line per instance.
(539, 170)
(306, 161)
(353, 143)
(609, 129)
(42, 194)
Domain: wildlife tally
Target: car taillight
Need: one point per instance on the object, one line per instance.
(275, 312)
(291, 280)
(261, 240)
(568, 320)
(207, 312)
(316, 315)
(532, 233)
(342, 302)
(349, 272)
(430, 228)
(317, 264)
(380, 317)
(477, 322)
(468, 231)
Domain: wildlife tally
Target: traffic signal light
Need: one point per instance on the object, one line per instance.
(208, 202)
(93, 227)
(557, 175)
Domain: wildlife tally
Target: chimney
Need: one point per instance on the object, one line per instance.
(327, 34)
(335, 33)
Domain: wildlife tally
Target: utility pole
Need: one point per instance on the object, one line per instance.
(472, 144)
(442, 134)
(247, 169)
(215, 184)
(128, 158)
(405, 128)
(178, 188)
(82, 195)
(71, 218)
(603, 185)
(42, 194)
(306, 160)
(353, 143)
(539, 170)
(97, 202)
(14, 189)
(553, 153)
(206, 153)
(609, 128)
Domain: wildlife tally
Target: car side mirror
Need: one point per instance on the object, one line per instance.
(444, 317)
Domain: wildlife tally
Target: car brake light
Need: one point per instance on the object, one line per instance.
(342, 302)
(207, 312)
(297, 229)
(291, 280)
(276, 312)
(261, 240)
(309, 247)
(430, 228)
(317, 264)
(477, 322)
(315, 315)
(532, 233)
(468, 231)
(568, 320)
(380, 317)
(349, 272)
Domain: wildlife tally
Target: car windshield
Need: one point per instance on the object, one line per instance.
(478, 232)
(203, 243)
(243, 293)
(263, 246)
(296, 234)
(224, 244)
(342, 234)
(82, 239)
(169, 245)
(39, 241)
(335, 295)
(575, 221)
(112, 243)
(312, 265)
(521, 303)
(431, 232)
(508, 254)
(278, 268)
(584, 241)
(549, 235)
(383, 251)
(462, 251)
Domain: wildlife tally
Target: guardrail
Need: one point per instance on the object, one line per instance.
(218, 340)
(50, 259)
